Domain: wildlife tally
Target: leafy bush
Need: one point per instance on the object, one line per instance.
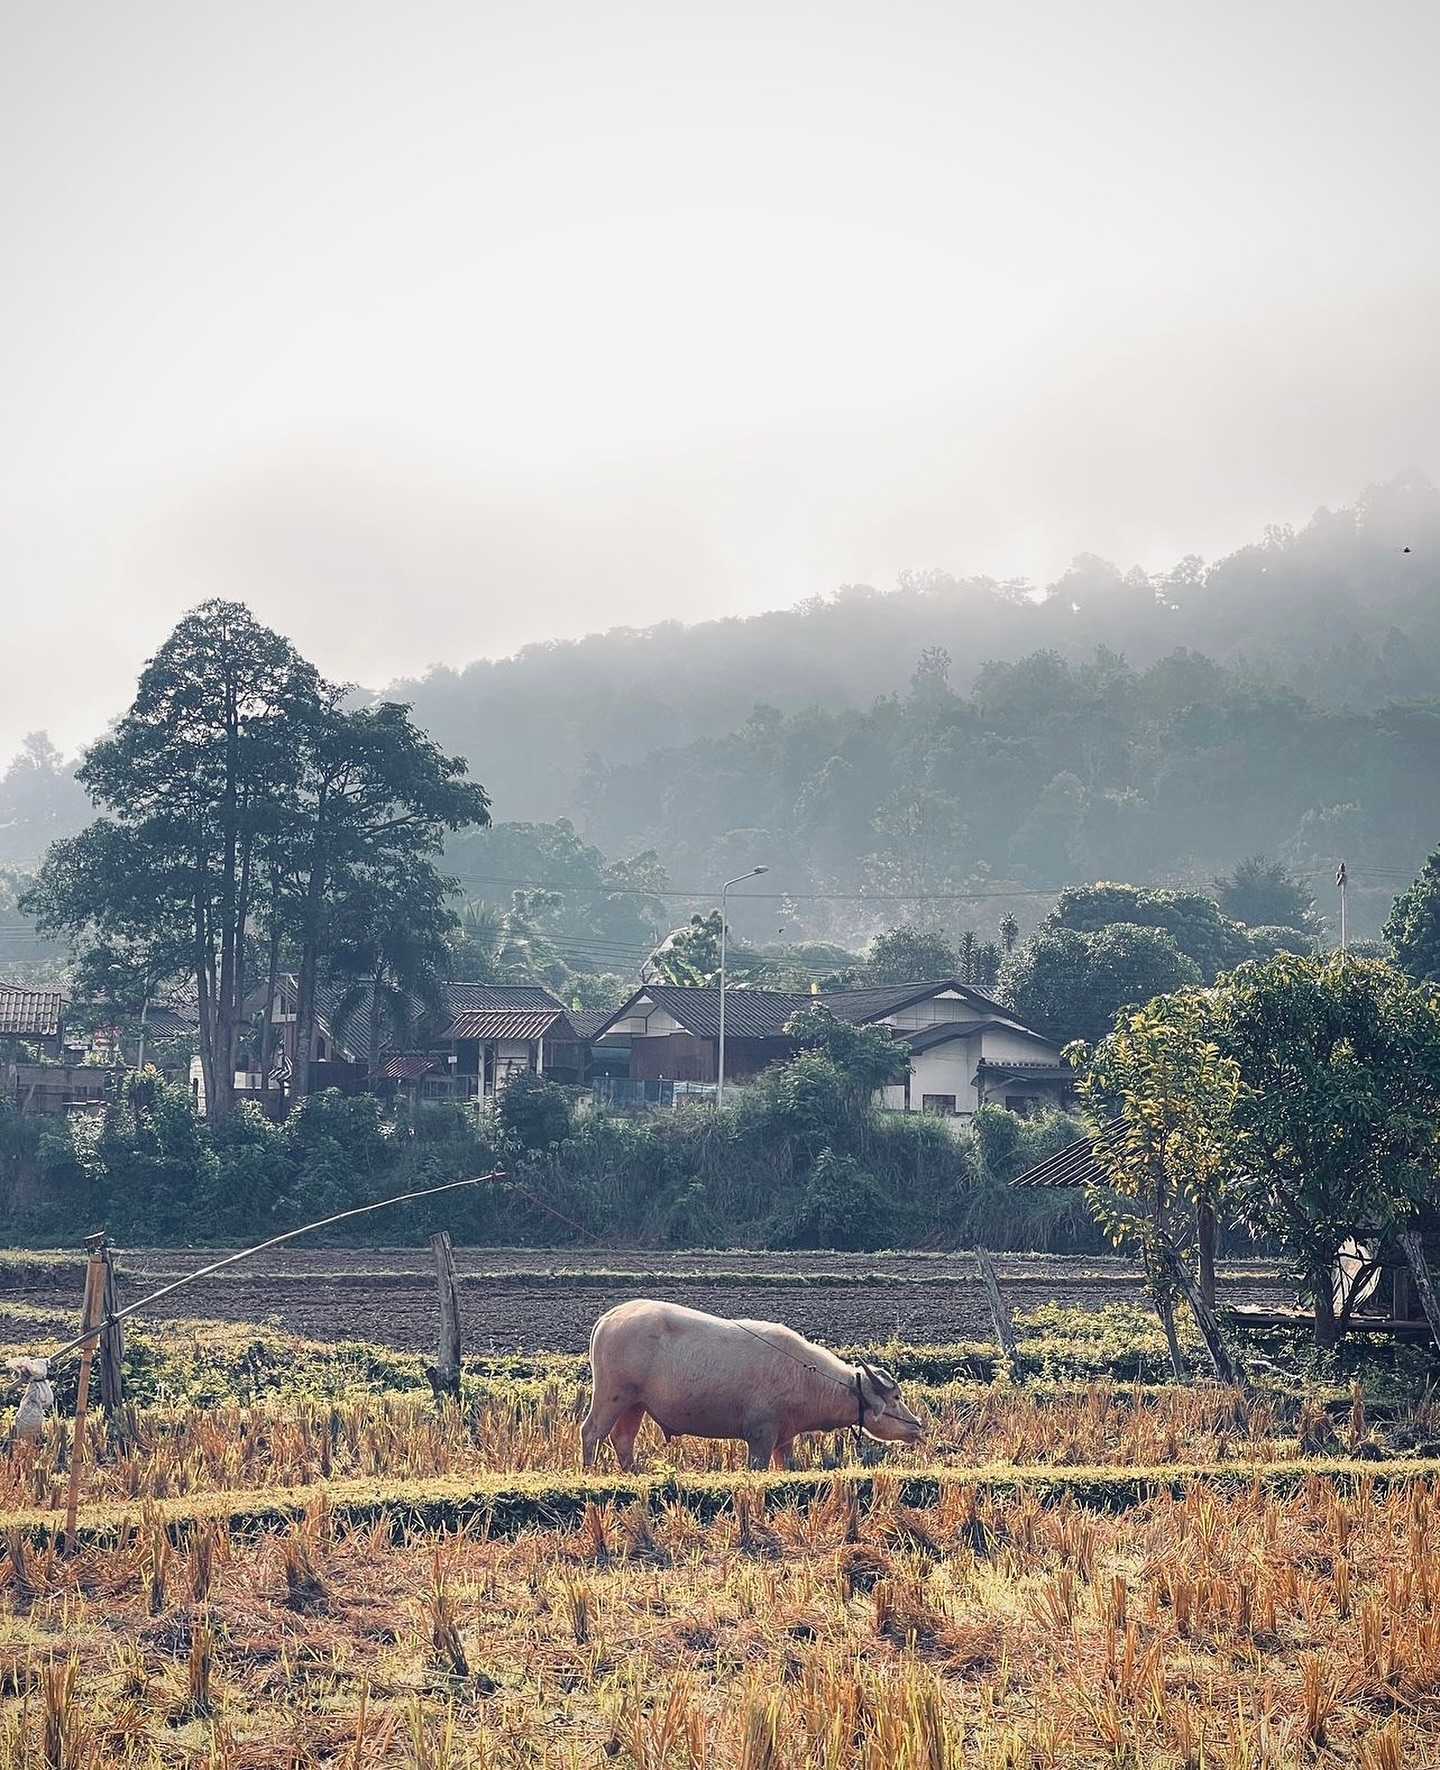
(534, 1112)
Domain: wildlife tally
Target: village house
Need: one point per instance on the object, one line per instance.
(468, 1053)
(967, 1050)
(39, 1072)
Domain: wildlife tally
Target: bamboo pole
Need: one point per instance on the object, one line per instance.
(89, 1325)
(275, 1241)
(999, 1309)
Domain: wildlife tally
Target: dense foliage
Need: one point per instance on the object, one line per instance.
(798, 1160)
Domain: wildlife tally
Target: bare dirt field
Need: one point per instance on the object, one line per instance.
(518, 1300)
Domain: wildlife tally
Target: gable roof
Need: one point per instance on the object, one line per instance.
(749, 1013)
(31, 1012)
(947, 1030)
(894, 998)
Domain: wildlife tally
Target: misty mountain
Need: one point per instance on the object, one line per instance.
(1345, 612)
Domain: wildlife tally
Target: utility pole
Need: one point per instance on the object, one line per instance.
(1340, 882)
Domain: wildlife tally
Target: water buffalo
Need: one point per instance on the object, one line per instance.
(702, 1376)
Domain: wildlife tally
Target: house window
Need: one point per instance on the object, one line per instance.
(942, 1103)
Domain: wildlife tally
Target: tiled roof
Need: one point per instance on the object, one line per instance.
(30, 1013)
(588, 1021)
(508, 1023)
(874, 1004)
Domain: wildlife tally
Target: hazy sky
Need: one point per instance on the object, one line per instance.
(432, 329)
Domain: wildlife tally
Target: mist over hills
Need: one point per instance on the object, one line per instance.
(1339, 612)
(948, 752)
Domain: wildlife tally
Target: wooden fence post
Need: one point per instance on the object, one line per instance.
(444, 1374)
(999, 1309)
(89, 1319)
(112, 1343)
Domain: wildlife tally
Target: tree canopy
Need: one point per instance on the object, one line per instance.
(1337, 1124)
(1413, 925)
(249, 810)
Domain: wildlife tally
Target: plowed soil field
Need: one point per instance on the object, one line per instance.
(516, 1300)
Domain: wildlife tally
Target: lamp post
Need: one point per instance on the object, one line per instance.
(720, 1061)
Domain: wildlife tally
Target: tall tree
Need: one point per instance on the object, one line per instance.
(372, 798)
(1263, 893)
(1070, 985)
(910, 954)
(193, 775)
(249, 805)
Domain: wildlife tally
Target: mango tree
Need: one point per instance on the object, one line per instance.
(1336, 1130)
(1163, 1091)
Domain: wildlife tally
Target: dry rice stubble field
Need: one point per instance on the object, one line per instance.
(307, 1580)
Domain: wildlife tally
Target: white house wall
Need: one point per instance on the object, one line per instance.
(1003, 1046)
(948, 1069)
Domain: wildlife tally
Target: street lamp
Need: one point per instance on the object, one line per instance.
(720, 1063)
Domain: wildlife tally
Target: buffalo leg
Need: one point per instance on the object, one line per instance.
(760, 1451)
(622, 1436)
(596, 1425)
(783, 1455)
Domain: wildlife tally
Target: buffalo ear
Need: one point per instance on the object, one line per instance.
(883, 1381)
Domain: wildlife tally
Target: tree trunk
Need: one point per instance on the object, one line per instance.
(1205, 1239)
(1327, 1329)
(205, 1010)
(1424, 1284)
(1165, 1309)
(310, 955)
(267, 1024)
(1223, 1365)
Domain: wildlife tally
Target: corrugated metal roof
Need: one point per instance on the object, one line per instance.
(749, 1013)
(30, 1013)
(465, 997)
(587, 1021)
(508, 1023)
(407, 1067)
(946, 1030)
(1076, 1164)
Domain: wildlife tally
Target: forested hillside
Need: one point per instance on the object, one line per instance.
(948, 752)
(1339, 613)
